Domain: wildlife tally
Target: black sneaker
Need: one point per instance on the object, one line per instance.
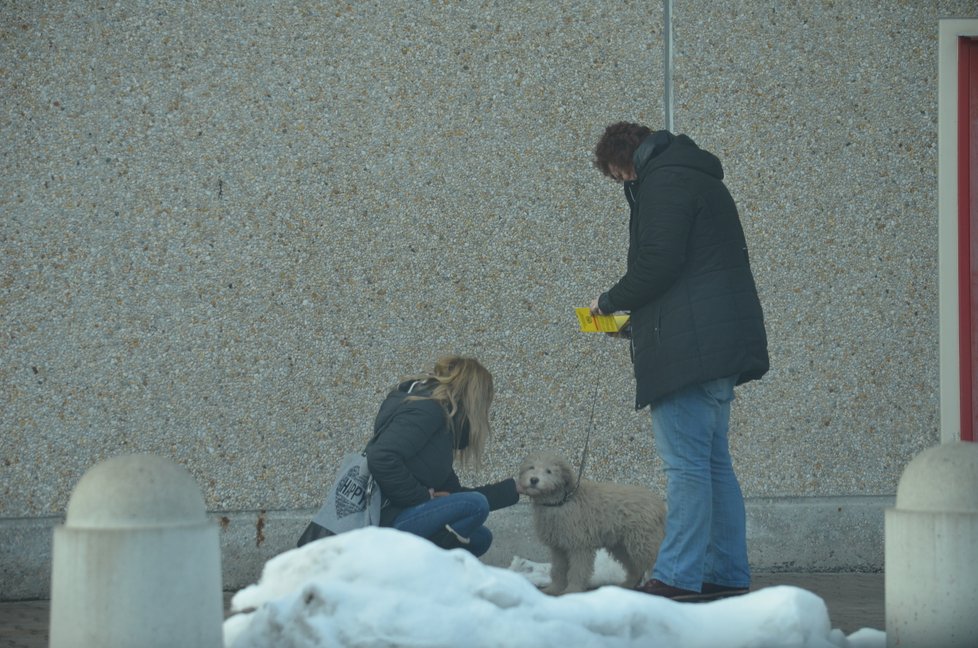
(656, 587)
(712, 591)
(448, 538)
(445, 540)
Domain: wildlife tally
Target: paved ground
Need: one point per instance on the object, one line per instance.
(854, 601)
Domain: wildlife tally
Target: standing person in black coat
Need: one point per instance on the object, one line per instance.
(697, 331)
(423, 425)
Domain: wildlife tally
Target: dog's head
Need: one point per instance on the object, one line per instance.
(545, 478)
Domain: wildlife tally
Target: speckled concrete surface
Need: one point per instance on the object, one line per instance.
(826, 116)
(228, 229)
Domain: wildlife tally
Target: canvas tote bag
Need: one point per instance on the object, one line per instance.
(354, 499)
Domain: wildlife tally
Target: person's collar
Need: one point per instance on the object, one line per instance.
(651, 146)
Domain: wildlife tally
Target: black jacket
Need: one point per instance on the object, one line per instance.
(695, 313)
(413, 450)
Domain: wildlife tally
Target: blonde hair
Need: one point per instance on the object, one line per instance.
(464, 388)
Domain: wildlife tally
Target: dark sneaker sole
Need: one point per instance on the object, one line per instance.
(722, 594)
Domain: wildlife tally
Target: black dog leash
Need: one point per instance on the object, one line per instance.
(587, 443)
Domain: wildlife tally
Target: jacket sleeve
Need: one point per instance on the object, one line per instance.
(500, 494)
(664, 221)
(407, 433)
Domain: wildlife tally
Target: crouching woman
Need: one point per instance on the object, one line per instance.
(424, 425)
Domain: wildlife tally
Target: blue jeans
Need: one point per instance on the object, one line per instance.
(706, 525)
(464, 512)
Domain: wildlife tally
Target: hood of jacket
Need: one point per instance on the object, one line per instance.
(663, 149)
(459, 424)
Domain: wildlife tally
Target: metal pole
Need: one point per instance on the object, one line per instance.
(667, 58)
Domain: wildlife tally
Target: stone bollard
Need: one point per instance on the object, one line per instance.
(137, 563)
(931, 554)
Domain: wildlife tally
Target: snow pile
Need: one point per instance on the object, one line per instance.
(378, 587)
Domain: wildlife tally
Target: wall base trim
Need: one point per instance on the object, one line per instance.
(794, 534)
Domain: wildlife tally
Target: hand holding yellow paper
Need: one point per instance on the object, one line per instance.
(600, 323)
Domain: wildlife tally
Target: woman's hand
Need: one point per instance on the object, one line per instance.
(433, 493)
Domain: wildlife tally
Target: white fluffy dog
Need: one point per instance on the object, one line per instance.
(575, 520)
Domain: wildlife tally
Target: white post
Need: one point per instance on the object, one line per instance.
(137, 562)
(931, 553)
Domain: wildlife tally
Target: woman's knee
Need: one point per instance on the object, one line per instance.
(476, 501)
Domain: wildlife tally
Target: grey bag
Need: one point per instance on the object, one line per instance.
(354, 499)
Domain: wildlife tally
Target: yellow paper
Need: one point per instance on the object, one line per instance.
(600, 323)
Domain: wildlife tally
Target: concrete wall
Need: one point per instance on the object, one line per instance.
(227, 229)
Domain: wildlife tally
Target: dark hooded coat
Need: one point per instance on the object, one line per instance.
(695, 311)
(414, 449)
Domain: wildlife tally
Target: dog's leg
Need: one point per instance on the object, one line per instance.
(558, 572)
(581, 569)
(633, 571)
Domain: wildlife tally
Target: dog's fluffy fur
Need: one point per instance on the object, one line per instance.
(628, 521)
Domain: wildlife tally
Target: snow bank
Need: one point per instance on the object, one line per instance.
(379, 587)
